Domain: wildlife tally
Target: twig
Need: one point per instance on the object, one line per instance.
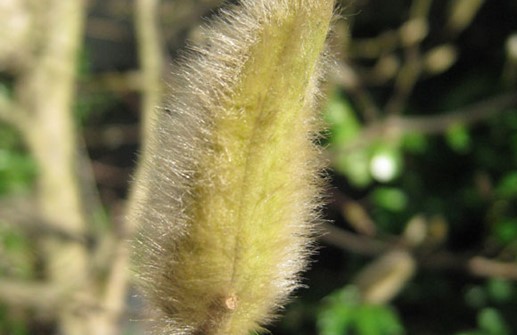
(405, 81)
(412, 32)
(117, 82)
(465, 116)
(152, 63)
(151, 59)
(111, 136)
(46, 91)
(484, 267)
(396, 126)
(345, 75)
(352, 242)
(478, 266)
(42, 296)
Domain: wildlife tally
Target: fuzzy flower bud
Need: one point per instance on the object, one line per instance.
(231, 187)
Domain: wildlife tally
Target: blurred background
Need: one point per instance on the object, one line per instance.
(421, 230)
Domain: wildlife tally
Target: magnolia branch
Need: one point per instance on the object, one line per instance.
(42, 296)
(466, 116)
(475, 265)
(394, 127)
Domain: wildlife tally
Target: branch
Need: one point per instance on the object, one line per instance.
(42, 296)
(346, 76)
(22, 214)
(484, 267)
(465, 116)
(352, 242)
(150, 52)
(151, 62)
(478, 266)
(396, 126)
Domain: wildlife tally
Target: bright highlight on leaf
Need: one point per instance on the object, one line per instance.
(383, 167)
(385, 164)
(231, 187)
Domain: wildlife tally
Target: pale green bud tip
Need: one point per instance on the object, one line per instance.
(232, 185)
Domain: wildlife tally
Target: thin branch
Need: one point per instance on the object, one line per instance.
(412, 33)
(117, 82)
(405, 81)
(345, 76)
(42, 296)
(152, 64)
(352, 242)
(22, 214)
(396, 126)
(475, 265)
(484, 267)
(465, 116)
(111, 136)
(354, 213)
(150, 52)
(151, 59)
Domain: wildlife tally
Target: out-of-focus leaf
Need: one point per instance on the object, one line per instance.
(345, 315)
(476, 297)
(10, 325)
(17, 171)
(390, 198)
(507, 187)
(354, 166)
(491, 321)
(339, 312)
(92, 105)
(506, 230)
(389, 320)
(386, 162)
(366, 322)
(343, 128)
(415, 143)
(500, 290)
(342, 121)
(15, 249)
(458, 138)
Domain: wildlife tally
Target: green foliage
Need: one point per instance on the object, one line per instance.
(15, 248)
(490, 322)
(507, 187)
(488, 300)
(344, 314)
(93, 105)
(493, 292)
(17, 168)
(501, 290)
(10, 324)
(390, 198)
(461, 178)
(343, 123)
(16, 261)
(458, 138)
(415, 143)
(361, 163)
(96, 97)
(343, 129)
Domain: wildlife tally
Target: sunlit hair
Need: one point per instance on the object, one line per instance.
(232, 184)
